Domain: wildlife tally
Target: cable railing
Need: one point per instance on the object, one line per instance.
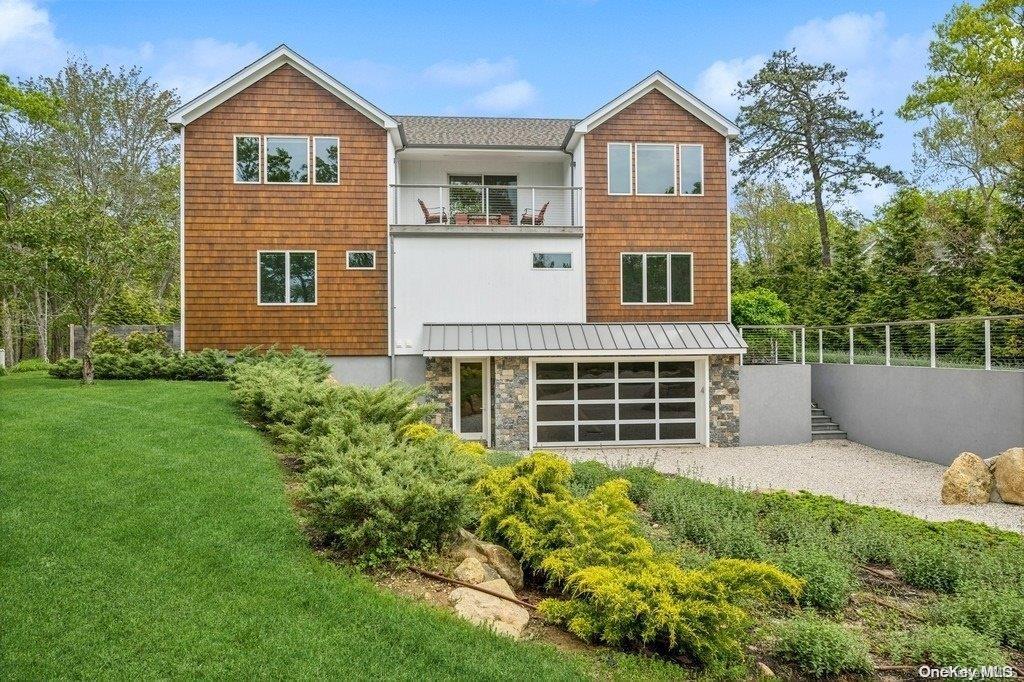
(992, 343)
(473, 204)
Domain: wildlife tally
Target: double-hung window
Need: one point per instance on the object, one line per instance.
(247, 159)
(287, 160)
(655, 169)
(691, 169)
(657, 278)
(287, 277)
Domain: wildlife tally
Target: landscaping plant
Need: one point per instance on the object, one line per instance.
(819, 647)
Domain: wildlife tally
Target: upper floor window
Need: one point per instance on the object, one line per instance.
(655, 169)
(326, 154)
(247, 158)
(287, 277)
(552, 261)
(620, 168)
(361, 260)
(657, 278)
(287, 159)
(691, 169)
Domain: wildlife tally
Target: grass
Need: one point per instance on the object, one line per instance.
(146, 533)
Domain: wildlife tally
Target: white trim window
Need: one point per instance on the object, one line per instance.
(552, 261)
(620, 168)
(656, 278)
(655, 169)
(248, 159)
(471, 407)
(361, 260)
(286, 277)
(691, 169)
(287, 160)
(326, 155)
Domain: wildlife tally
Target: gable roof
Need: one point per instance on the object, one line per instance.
(668, 87)
(267, 64)
(483, 131)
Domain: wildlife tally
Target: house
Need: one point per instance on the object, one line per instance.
(554, 281)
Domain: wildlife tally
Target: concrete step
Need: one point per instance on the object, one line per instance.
(821, 421)
(831, 426)
(816, 412)
(828, 435)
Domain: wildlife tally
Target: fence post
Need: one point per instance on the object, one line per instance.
(741, 338)
(794, 346)
(71, 338)
(803, 345)
(988, 344)
(821, 347)
(888, 355)
(851, 345)
(931, 341)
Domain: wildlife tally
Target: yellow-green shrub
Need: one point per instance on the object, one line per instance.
(421, 432)
(618, 588)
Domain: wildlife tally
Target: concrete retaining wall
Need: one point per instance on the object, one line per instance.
(775, 404)
(375, 370)
(929, 414)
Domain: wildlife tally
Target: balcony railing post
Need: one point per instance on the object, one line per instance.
(821, 346)
(803, 345)
(533, 205)
(741, 338)
(794, 346)
(988, 344)
(487, 205)
(440, 206)
(888, 356)
(851, 345)
(931, 342)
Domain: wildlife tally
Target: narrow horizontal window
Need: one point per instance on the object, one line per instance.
(620, 168)
(552, 261)
(288, 160)
(691, 169)
(655, 169)
(326, 152)
(247, 159)
(657, 278)
(287, 277)
(362, 260)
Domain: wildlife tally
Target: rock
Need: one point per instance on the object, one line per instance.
(498, 557)
(967, 481)
(764, 670)
(474, 571)
(502, 616)
(1009, 475)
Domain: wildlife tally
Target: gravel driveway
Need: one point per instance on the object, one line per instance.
(849, 471)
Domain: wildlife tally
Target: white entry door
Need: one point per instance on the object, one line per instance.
(471, 391)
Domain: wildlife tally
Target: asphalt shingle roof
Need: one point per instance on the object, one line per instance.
(482, 131)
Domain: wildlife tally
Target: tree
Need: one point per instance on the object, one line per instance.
(796, 126)
(846, 281)
(759, 306)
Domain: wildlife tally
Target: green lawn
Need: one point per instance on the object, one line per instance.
(144, 532)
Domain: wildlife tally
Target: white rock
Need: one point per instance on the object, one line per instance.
(500, 615)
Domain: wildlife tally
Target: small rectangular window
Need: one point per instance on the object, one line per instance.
(287, 160)
(287, 277)
(656, 169)
(691, 169)
(620, 168)
(552, 261)
(326, 152)
(247, 159)
(657, 278)
(362, 260)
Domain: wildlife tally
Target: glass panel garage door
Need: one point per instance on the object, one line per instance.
(635, 401)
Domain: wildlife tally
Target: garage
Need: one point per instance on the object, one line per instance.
(629, 400)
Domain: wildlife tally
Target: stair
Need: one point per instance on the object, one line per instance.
(822, 426)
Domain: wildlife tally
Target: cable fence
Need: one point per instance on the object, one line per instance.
(995, 343)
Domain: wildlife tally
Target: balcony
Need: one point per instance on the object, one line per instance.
(465, 206)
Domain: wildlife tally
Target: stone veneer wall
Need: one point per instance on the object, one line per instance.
(724, 396)
(511, 408)
(439, 383)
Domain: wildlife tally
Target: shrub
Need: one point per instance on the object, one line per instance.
(588, 475)
(385, 499)
(138, 342)
(820, 647)
(931, 564)
(396, 404)
(68, 368)
(106, 343)
(759, 306)
(206, 365)
(830, 580)
(618, 588)
(31, 365)
(945, 645)
(997, 614)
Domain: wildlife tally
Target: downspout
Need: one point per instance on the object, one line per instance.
(391, 274)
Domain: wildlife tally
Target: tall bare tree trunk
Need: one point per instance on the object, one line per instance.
(819, 208)
(42, 302)
(8, 331)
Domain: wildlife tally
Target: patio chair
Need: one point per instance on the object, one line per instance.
(530, 218)
(432, 218)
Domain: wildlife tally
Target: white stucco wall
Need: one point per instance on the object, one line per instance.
(479, 279)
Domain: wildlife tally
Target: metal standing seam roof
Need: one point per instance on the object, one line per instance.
(636, 338)
(483, 131)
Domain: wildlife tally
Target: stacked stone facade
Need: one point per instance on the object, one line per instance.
(439, 384)
(511, 407)
(724, 397)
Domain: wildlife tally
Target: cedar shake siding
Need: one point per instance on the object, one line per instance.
(616, 224)
(227, 223)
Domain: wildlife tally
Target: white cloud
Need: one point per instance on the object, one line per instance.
(506, 97)
(469, 74)
(843, 38)
(716, 83)
(28, 44)
(191, 67)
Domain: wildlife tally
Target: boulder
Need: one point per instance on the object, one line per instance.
(1009, 475)
(502, 616)
(967, 481)
(474, 571)
(470, 546)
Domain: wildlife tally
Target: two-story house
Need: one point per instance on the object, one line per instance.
(554, 281)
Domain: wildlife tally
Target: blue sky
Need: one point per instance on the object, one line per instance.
(554, 58)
